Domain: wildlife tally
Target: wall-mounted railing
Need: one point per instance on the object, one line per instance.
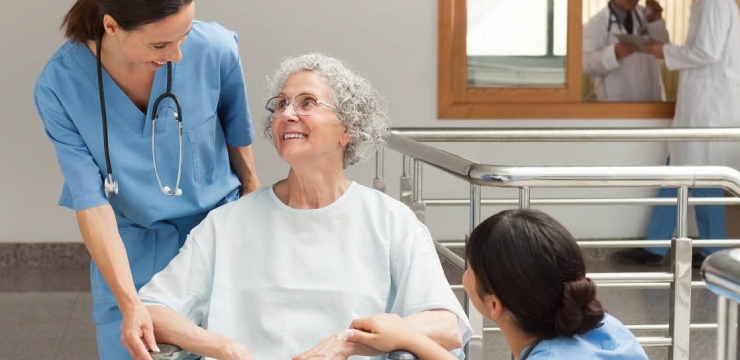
(678, 280)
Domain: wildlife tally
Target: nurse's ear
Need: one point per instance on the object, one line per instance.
(110, 25)
(494, 309)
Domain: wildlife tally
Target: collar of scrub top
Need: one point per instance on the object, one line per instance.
(530, 349)
(614, 12)
(110, 185)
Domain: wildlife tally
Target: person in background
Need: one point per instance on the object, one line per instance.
(618, 70)
(708, 93)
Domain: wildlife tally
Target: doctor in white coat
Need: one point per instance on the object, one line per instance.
(708, 96)
(619, 71)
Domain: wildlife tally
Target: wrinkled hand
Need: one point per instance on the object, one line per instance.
(137, 332)
(623, 50)
(655, 48)
(236, 351)
(385, 332)
(337, 347)
(655, 9)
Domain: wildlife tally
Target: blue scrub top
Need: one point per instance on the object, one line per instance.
(209, 83)
(611, 341)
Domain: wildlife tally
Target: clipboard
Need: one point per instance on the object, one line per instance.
(638, 41)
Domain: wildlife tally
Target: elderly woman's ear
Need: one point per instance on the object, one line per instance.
(346, 137)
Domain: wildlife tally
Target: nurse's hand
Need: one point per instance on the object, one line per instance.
(337, 347)
(137, 332)
(655, 48)
(386, 332)
(623, 50)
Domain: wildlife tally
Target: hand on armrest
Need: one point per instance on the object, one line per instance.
(389, 332)
(172, 328)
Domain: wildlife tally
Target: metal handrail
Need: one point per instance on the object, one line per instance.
(678, 280)
(721, 272)
(568, 176)
(572, 134)
(600, 176)
(586, 201)
(455, 165)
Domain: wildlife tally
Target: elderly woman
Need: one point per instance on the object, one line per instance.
(283, 271)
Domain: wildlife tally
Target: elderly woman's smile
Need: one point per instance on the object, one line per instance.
(294, 135)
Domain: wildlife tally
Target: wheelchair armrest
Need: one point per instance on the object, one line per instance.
(401, 355)
(172, 352)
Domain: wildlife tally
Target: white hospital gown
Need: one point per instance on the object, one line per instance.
(280, 280)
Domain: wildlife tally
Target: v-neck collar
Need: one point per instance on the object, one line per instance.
(119, 106)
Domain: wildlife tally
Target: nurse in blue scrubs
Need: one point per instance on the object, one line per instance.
(167, 177)
(526, 274)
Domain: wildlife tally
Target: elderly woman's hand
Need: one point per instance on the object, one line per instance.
(337, 347)
(235, 351)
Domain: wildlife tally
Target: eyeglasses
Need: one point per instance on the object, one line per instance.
(303, 105)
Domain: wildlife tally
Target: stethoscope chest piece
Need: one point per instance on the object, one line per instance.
(111, 186)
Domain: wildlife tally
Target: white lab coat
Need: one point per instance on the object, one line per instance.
(709, 82)
(634, 78)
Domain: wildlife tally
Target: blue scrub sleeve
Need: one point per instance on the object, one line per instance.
(233, 107)
(83, 182)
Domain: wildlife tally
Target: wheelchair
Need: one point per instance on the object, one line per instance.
(171, 352)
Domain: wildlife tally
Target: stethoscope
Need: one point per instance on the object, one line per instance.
(110, 184)
(614, 19)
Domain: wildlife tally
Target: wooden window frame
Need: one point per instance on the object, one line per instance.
(455, 100)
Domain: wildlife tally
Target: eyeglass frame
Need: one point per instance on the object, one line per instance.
(295, 107)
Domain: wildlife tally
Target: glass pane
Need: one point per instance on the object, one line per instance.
(517, 43)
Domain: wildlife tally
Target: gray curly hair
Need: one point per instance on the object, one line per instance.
(360, 108)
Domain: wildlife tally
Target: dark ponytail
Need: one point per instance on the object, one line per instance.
(581, 311)
(84, 21)
(534, 266)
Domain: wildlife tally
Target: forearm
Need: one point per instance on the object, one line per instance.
(658, 32)
(441, 326)
(100, 234)
(242, 161)
(600, 62)
(426, 349)
(172, 328)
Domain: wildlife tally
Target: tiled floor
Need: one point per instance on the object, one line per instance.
(45, 314)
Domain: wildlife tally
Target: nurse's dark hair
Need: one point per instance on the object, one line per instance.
(84, 21)
(534, 266)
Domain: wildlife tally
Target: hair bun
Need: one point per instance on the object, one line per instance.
(580, 311)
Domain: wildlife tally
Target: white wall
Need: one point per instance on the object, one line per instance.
(394, 43)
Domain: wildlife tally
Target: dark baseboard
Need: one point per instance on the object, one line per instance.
(74, 255)
(44, 255)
